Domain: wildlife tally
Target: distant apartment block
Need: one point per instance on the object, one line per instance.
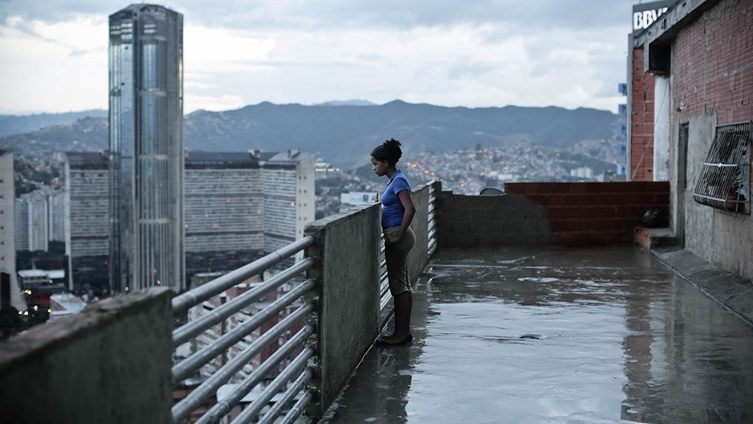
(7, 229)
(31, 221)
(39, 219)
(237, 205)
(223, 202)
(21, 224)
(289, 198)
(56, 216)
(86, 219)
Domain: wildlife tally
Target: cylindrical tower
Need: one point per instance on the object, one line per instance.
(146, 148)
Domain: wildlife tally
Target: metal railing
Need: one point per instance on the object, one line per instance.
(384, 286)
(431, 228)
(289, 383)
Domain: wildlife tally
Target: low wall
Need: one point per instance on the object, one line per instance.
(109, 364)
(476, 221)
(346, 275)
(577, 214)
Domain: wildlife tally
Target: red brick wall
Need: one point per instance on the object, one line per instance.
(641, 121)
(712, 64)
(594, 213)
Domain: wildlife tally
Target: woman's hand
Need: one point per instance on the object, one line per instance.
(393, 236)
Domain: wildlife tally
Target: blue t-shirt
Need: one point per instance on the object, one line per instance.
(392, 209)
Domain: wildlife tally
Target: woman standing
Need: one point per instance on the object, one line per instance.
(397, 214)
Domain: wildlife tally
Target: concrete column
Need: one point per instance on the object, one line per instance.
(662, 103)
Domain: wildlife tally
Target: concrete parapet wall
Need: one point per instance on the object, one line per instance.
(108, 364)
(347, 279)
(469, 221)
(559, 213)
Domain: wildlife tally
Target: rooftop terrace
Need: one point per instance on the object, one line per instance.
(541, 334)
(529, 307)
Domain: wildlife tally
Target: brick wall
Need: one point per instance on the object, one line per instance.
(594, 213)
(712, 64)
(712, 84)
(641, 121)
(576, 214)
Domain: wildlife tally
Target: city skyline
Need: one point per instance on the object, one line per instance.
(486, 54)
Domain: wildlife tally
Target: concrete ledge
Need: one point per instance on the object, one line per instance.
(732, 291)
(652, 238)
(110, 363)
(347, 278)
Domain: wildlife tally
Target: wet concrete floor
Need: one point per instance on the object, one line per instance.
(557, 336)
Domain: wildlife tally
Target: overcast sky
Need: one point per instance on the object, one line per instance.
(473, 53)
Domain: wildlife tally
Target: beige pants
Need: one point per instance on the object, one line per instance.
(396, 255)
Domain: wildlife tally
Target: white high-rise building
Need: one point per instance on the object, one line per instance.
(223, 202)
(289, 198)
(21, 224)
(86, 219)
(56, 224)
(31, 220)
(38, 213)
(7, 228)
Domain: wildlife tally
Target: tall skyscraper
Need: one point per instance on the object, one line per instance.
(146, 148)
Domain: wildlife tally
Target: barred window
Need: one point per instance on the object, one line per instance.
(724, 182)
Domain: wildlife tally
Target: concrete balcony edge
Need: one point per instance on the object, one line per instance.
(731, 291)
(43, 339)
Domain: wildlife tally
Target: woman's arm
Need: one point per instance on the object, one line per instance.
(410, 210)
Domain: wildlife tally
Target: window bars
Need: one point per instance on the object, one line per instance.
(724, 182)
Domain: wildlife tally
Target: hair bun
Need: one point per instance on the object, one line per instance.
(392, 143)
(393, 147)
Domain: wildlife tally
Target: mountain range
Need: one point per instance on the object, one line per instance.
(19, 124)
(342, 133)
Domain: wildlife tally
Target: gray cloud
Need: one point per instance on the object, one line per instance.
(256, 14)
(469, 68)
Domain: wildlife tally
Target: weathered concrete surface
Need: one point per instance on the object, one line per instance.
(347, 279)
(569, 214)
(472, 221)
(532, 335)
(720, 237)
(729, 289)
(108, 364)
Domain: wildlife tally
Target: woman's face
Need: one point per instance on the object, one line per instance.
(379, 166)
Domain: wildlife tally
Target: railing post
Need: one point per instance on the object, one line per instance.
(313, 387)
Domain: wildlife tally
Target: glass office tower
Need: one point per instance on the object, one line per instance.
(146, 148)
